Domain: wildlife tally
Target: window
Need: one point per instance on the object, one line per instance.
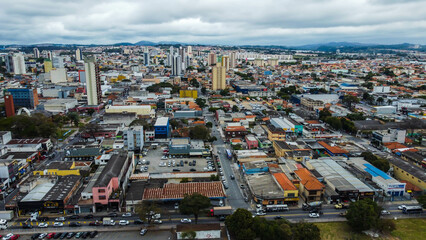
(102, 197)
(101, 190)
(290, 195)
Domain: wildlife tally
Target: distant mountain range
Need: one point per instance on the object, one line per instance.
(327, 47)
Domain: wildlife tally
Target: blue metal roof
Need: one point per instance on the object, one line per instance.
(375, 172)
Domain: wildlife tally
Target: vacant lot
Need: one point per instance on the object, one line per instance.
(406, 229)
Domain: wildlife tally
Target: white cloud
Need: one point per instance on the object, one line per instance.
(285, 22)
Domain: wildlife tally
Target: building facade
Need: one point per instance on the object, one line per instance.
(93, 83)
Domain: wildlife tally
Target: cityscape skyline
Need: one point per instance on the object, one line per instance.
(214, 22)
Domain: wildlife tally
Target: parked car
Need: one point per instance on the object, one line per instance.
(95, 223)
(90, 216)
(75, 224)
(157, 221)
(143, 231)
(138, 221)
(123, 222)
(60, 219)
(74, 217)
(58, 224)
(127, 214)
(27, 226)
(41, 236)
(43, 225)
(70, 235)
(93, 234)
(35, 236)
(50, 235)
(401, 207)
(232, 177)
(113, 214)
(385, 212)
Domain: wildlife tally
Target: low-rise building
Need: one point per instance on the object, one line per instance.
(310, 188)
(58, 169)
(403, 170)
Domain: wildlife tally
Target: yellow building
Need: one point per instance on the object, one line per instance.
(59, 169)
(275, 134)
(188, 94)
(411, 173)
(142, 110)
(281, 147)
(225, 62)
(218, 78)
(47, 65)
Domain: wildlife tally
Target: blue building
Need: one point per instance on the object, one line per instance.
(162, 127)
(24, 97)
(255, 167)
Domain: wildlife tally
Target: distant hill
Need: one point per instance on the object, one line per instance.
(354, 46)
(145, 43)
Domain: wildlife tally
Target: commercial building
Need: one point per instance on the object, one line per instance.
(48, 66)
(140, 110)
(162, 127)
(310, 188)
(133, 138)
(15, 164)
(5, 137)
(58, 75)
(93, 83)
(265, 189)
(405, 171)
(235, 132)
(288, 125)
(24, 97)
(218, 78)
(291, 193)
(8, 104)
(333, 150)
(251, 141)
(390, 135)
(29, 145)
(59, 105)
(177, 191)
(190, 93)
(58, 169)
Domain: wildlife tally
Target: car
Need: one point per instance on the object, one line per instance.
(157, 221)
(401, 207)
(75, 224)
(123, 222)
(113, 214)
(192, 170)
(127, 214)
(232, 177)
(90, 216)
(143, 231)
(57, 235)
(65, 235)
(14, 237)
(35, 236)
(385, 212)
(225, 186)
(278, 217)
(41, 236)
(27, 226)
(93, 234)
(222, 218)
(8, 236)
(60, 219)
(176, 170)
(74, 217)
(50, 235)
(314, 215)
(242, 186)
(185, 220)
(260, 213)
(85, 235)
(43, 225)
(138, 221)
(95, 223)
(176, 205)
(70, 235)
(58, 224)
(78, 235)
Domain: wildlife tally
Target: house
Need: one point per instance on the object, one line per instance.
(251, 141)
(235, 131)
(310, 188)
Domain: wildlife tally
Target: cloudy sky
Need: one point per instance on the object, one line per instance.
(282, 22)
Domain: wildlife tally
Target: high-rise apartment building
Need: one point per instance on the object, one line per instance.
(146, 60)
(212, 59)
(36, 53)
(93, 82)
(15, 63)
(8, 104)
(233, 60)
(47, 65)
(225, 62)
(177, 65)
(58, 62)
(218, 77)
(189, 51)
(78, 55)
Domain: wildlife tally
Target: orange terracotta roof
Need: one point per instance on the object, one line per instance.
(235, 128)
(236, 140)
(394, 145)
(333, 149)
(308, 180)
(284, 182)
(313, 121)
(265, 119)
(198, 122)
(178, 190)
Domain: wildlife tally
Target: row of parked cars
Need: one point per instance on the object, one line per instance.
(63, 235)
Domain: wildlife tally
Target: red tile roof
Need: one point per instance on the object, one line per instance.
(178, 190)
(235, 128)
(333, 149)
(308, 180)
(284, 182)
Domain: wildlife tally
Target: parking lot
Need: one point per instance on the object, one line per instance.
(158, 163)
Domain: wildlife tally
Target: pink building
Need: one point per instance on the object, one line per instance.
(251, 142)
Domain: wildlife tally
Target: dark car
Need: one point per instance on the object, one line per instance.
(222, 218)
(192, 170)
(57, 235)
(90, 216)
(138, 221)
(64, 235)
(176, 170)
(27, 226)
(43, 219)
(35, 236)
(75, 224)
(113, 214)
(232, 177)
(93, 234)
(85, 234)
(96, 223)
(278, 217)
(74, 217)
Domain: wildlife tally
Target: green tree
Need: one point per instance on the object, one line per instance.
(194, 204)
(209, 124)
(74, 117)
(306, 231)
(212, 139)
(349, 100)
(422, 200)
(214, 177)
(199, 132)
(147, 210)
(200, 102)
(203, 90)
(235, 108)
(92, 129)
(363, 215)
(224, 92)
(380, 100)
(90, 111)
(323, 114)
(188, 235)
(194, 83)
(239, 223)
(380, 163)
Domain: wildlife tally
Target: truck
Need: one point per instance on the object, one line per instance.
(107, 221)
(8, 215)
(341, 206)
(311, 206)
(221, 211)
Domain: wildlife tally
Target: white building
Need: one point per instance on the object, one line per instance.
(16, 63)
(133, 138)
(93, 83)
(58, 75)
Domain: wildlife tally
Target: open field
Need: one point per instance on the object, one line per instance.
(406, 229)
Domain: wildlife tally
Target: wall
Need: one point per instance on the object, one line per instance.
(403, 175)
(112, 185)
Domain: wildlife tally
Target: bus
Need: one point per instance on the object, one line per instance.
(412, 209)
(229, 154)
(277, 208)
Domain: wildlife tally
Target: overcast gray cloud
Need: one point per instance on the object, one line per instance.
(283, 22)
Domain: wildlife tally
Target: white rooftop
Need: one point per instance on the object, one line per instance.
(162, 121)
(38, 192)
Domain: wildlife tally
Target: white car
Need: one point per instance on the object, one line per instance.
(43, 225)
(58, 224)
(60, 219)
(127, 214)
(43, 235)
(385, 212)
(123, 222)
(260, 213)
(157, 221)
(314, 215)
(8, 236)
(401, 207)
(185, 220)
